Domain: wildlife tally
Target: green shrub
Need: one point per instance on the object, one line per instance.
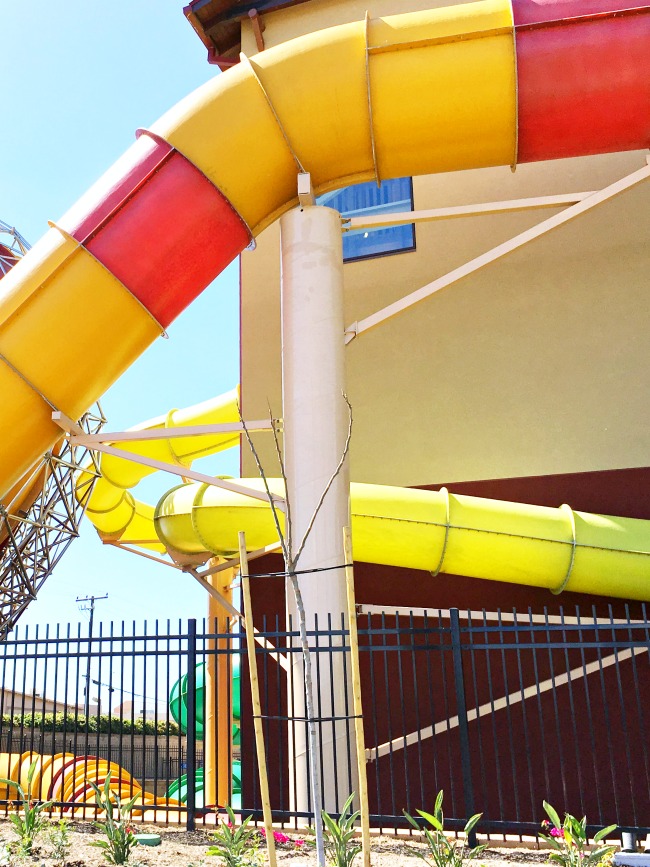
(120, 834)
(444, 852)
(237, 847)
(569, 840)
(341, 847)
(59, 839)
(67, 724)
(28, 821)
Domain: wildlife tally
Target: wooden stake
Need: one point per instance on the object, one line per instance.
(356, 697)
(255, 699)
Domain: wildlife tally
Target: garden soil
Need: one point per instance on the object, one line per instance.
(188, 849)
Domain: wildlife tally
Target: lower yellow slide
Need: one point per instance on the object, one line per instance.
(437, 531)
(64, 777)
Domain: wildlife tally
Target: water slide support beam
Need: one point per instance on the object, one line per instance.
(498, 252)
(164, 466)
(481, 209)
(217, 728)
(173, 433)
(316, 423)
(202, 579)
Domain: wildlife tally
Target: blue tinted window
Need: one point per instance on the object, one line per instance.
(393, 196)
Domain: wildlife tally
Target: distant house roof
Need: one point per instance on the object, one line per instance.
(218, 24)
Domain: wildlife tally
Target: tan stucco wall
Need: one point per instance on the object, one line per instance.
(315, 15)
(538, 364)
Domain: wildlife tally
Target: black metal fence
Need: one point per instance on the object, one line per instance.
(504, 711)
(114, 702)
(501, 711)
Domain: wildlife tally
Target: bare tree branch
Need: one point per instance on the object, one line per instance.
(290, 565)
(344, 455)
(270, 495)
(287, 512)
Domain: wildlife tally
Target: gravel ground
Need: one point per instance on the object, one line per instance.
(181, 848)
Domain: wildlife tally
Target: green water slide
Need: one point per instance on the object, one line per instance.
(178, 710)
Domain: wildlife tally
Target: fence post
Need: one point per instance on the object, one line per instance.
(463, 726)
(190, 770)
(356, 697)
(255, 700)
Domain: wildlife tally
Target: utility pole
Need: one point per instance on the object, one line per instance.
(91, 608)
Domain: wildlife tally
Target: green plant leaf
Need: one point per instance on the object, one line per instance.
(472, 822)
(552, 814)
(432, 820)
(14, 785)
(16, 820)
(600, 853)
(412, 821)
(604, 833)
(551, 841)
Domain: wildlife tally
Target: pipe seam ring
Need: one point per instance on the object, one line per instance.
(196, 502)
(80, 246)
(169, 423)
(373, 146)
(574, 544)
(244, 58)
(158, 138)
(447, 526)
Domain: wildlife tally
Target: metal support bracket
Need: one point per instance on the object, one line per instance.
(571, 213)
(258, 28)
(75, 437)
(306, 195)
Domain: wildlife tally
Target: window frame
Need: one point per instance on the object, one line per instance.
(362, 257)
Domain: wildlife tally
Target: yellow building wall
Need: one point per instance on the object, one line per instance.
(535, 365)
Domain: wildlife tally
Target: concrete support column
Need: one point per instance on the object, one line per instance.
(315, 430)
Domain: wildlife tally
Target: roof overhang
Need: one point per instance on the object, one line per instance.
(218, 24)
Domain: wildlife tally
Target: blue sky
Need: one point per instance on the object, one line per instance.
(78, 79)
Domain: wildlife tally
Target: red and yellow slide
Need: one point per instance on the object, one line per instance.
(475, 84)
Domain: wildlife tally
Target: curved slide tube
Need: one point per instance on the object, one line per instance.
(464, 86)
(178, 701)
(432, 530)
(437, 531)
(178, 710)
(111, 507)
(64, 778)
(178, 789)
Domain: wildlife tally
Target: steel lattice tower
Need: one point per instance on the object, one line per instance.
(40, 516)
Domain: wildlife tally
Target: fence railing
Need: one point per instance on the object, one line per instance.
(505, 710)
(501, 711)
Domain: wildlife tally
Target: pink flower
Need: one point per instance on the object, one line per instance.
(551, 829)
(299, 842)
(279, 837)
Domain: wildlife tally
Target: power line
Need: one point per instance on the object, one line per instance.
(92, 600)
(128, 692)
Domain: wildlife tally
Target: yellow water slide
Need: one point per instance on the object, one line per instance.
(113, 509)
(483, 83)
(65, 778)
(462, 86)
(436, 531)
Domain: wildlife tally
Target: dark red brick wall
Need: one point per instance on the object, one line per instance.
(512, 772)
